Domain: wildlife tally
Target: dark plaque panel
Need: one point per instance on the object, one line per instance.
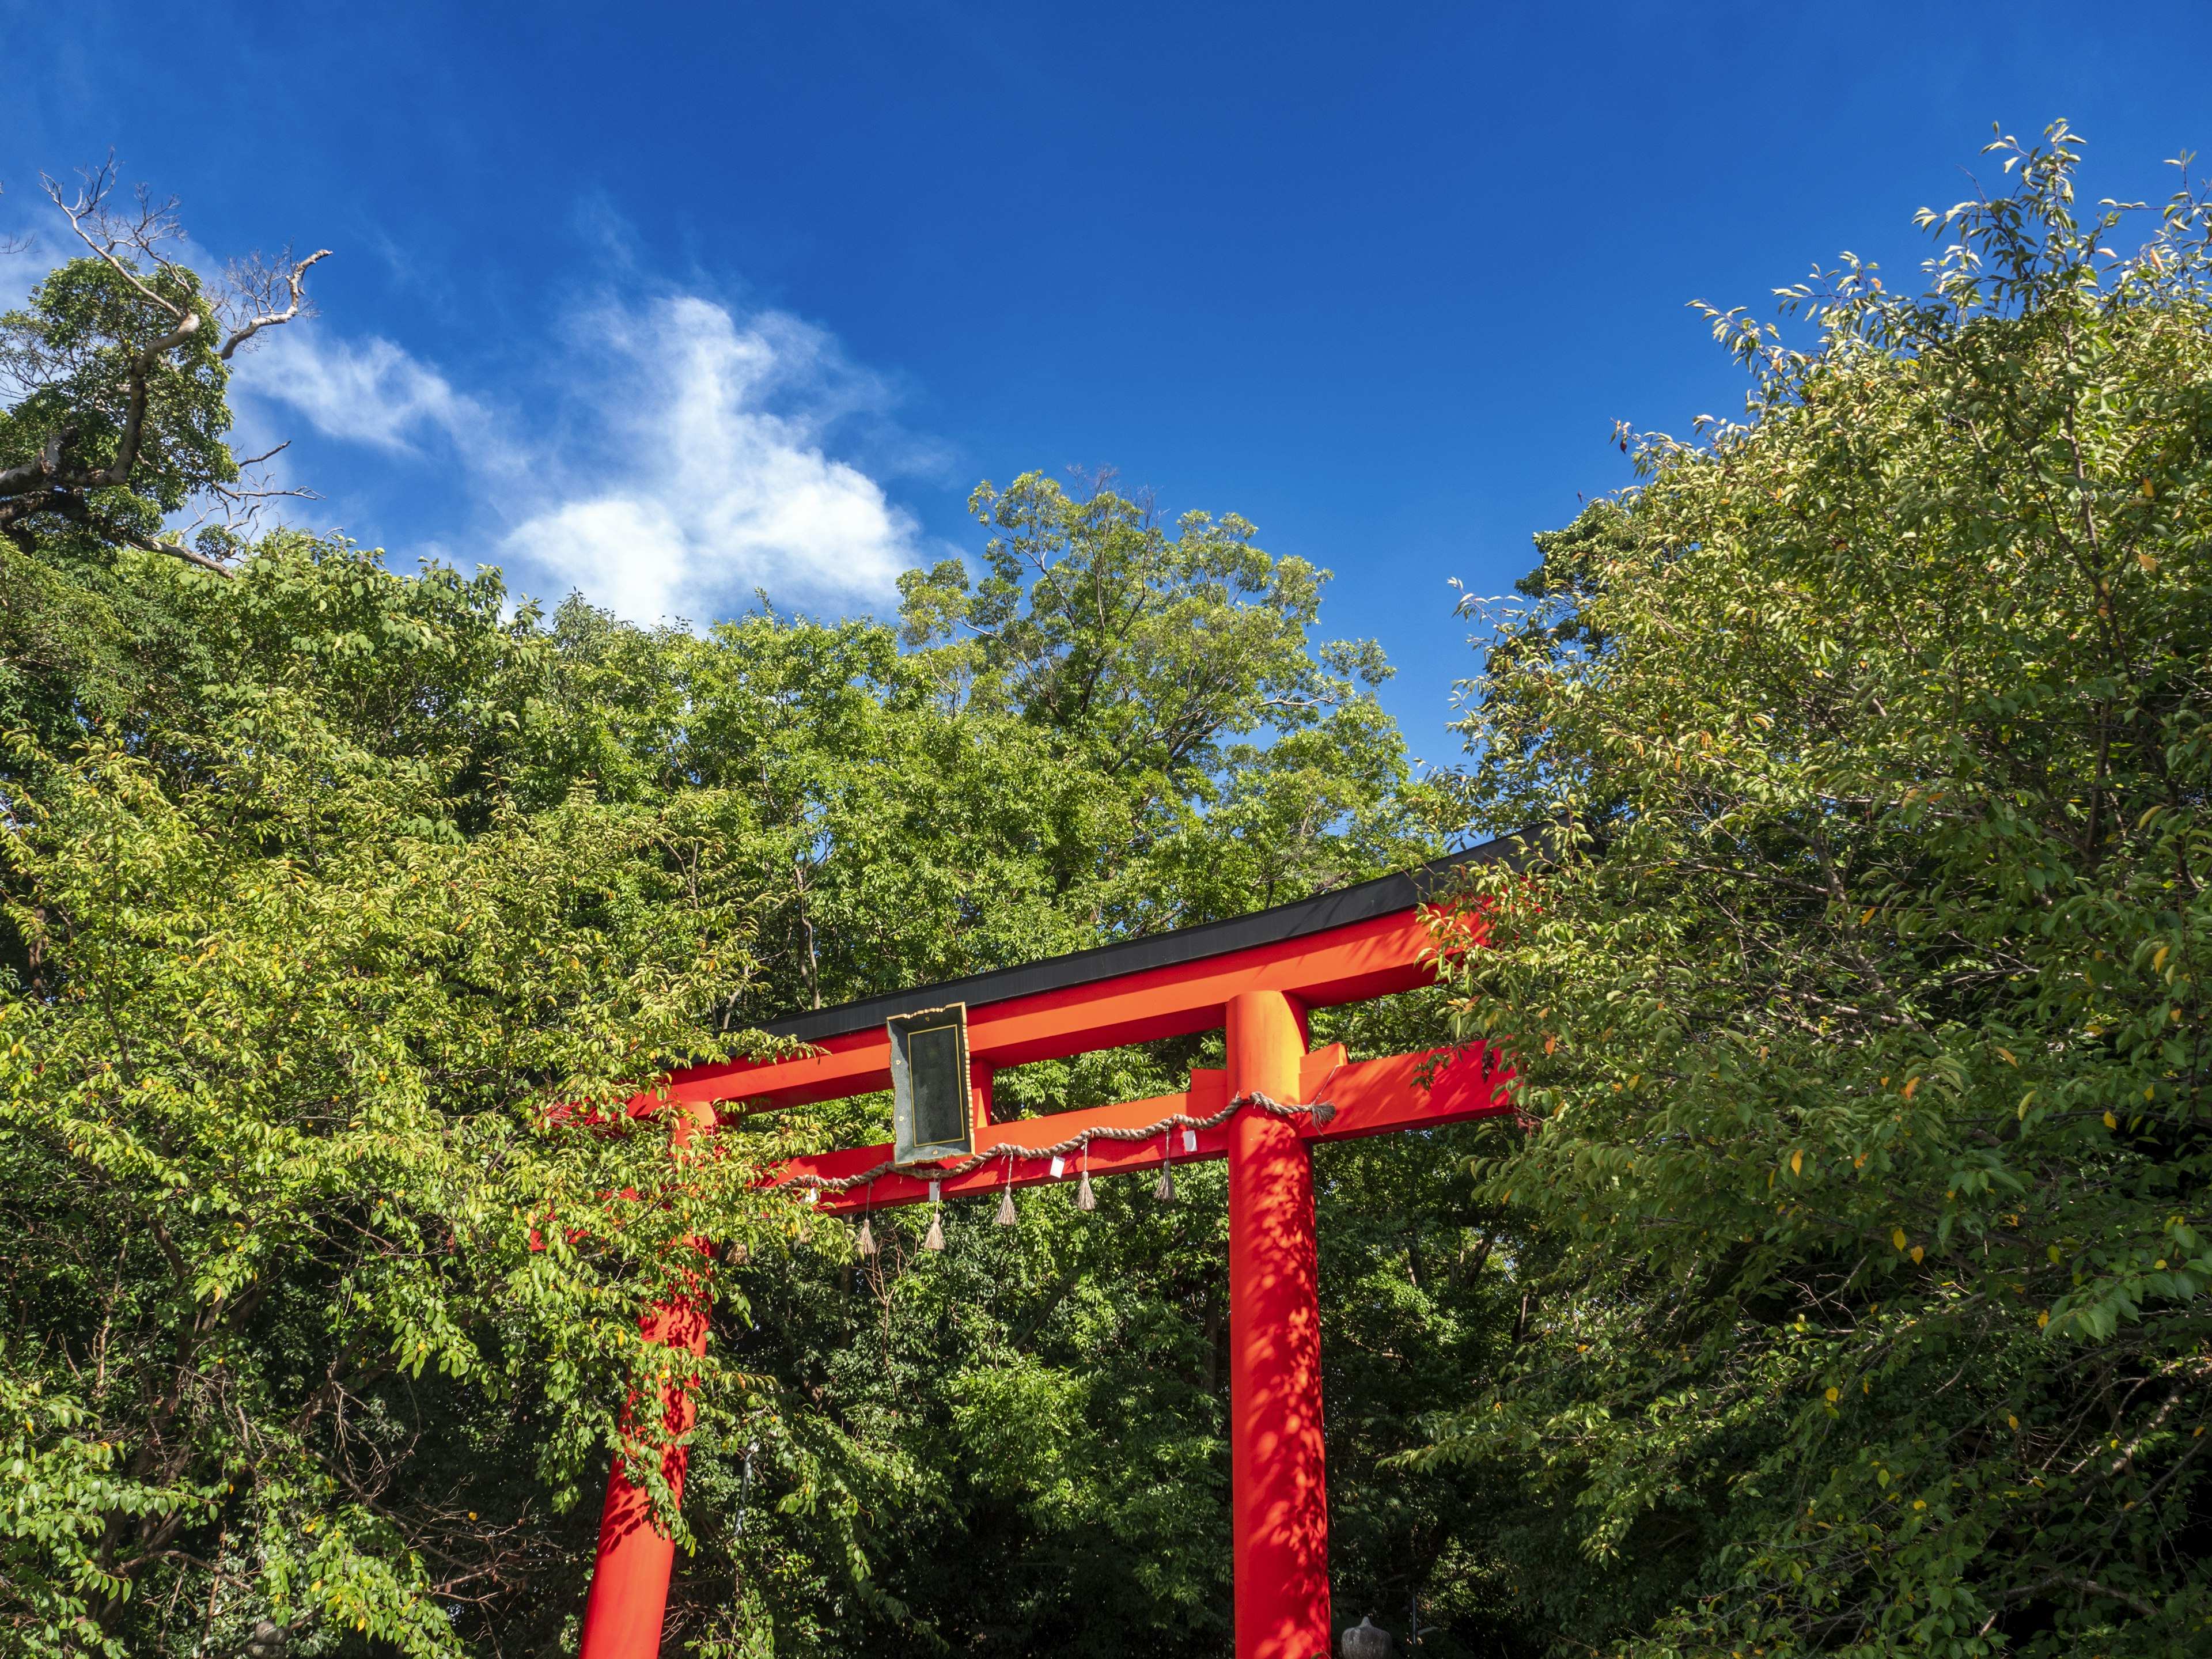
(940, 1108)
(930, 1111)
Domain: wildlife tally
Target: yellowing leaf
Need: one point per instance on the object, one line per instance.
(1897, 1238)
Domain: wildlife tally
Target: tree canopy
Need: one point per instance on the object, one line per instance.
(1861, 1001)
(335, 898)
(1838, 1288)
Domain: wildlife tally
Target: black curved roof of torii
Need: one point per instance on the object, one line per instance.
(1384, 897)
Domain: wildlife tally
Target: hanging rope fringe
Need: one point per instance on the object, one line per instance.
(1165, 1191)
(1083, 1200)
(1006, 1198)
(867, 1240)
(935, 1241)
(1321, 1111)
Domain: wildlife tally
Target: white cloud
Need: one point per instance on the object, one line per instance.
(678, 463)
(372, 392)
(712, 428)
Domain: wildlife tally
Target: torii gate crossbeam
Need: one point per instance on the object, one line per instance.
(1253, 977)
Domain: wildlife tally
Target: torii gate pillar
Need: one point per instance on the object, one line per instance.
(1280, 1510)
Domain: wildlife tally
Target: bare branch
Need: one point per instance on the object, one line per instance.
(267, 455)
(106, 234)
(14, 244)
(254, 283)
(240, 505)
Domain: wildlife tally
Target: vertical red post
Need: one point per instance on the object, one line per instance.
(629, 1581)
(979, 1074)
(1280, 1504)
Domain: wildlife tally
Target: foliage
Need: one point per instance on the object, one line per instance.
(1154, 657)
(1860, 993)
(1043, 1405)
(280, 1045)
(116, 418)
(321, 883)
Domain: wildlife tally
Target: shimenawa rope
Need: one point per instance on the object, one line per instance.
(1319, 1111)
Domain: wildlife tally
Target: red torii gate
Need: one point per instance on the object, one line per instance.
(1255, 977)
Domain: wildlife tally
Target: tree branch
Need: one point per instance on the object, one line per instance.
(74, 508)
(295, 277)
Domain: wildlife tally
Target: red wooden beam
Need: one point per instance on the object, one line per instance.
(1370, 958)
(1372, 1097)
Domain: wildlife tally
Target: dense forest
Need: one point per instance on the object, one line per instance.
(1838, 1288)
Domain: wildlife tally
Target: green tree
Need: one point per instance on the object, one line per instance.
(926, 819)
(294, 1236)
(1860, 999)
(115, 420)
(320, 883)
(1159, 657)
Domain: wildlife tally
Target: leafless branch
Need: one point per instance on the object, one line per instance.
(255, 288)
(240, 505)
(111, 236)
(2086, 1586)
(14, 244)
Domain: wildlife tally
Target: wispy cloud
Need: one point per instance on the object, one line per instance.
(680, 457)
(369, 391)
(711, 429)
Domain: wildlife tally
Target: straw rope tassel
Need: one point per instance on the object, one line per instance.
(934, 1240)
(867, 1243)
(1005, 1217)
(1165, 1191)
(1083, 1200)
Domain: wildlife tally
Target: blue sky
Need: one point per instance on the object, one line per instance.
(670, 303)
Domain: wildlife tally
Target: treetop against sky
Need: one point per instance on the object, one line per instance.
(759, 301)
